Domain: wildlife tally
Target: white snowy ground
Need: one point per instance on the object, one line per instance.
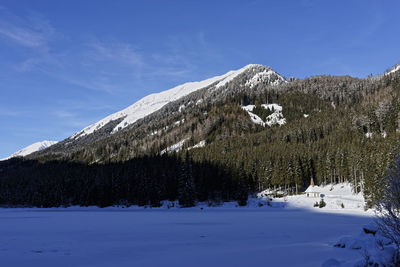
(281, 235)
(334, 197)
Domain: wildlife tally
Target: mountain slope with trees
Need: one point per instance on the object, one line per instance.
(337, 129)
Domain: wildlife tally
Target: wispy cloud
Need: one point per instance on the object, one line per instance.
(377, 19)
(116, 51)
(181, 55)
(22, 36)
(307, 3)
(8, 113)
(113, 67)
(30, 31)
(104, 64)
(333, 62)
(75, 105)
(108, 66)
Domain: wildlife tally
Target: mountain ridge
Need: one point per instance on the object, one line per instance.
(156, 101)
(160, 110)
(220, 143)
(38, 146)
(172, 102)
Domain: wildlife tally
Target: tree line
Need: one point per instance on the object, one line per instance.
(351, 134)
(141, 181)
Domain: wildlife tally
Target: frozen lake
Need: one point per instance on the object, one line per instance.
(177, 237)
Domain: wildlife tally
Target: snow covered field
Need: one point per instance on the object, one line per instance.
(221, 236)
(338, 198)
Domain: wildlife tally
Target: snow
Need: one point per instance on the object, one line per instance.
(154, 102)
(263, 76)
(272, 107)
(198, 145)
(274, 118)
(369, 241)
(211, 236)
(254, 118)
(177, 123)
(368, 135)
(394, 69)
(311, 189)
(181, 108)
(333, 195)
(176, 147)
(249, 107)
(32, 148)
(285, 231)
(233, 74)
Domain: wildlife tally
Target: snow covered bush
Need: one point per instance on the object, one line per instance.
(375, 249)
(320, 204)
(389, 207)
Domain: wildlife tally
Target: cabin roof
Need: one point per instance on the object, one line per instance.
(313, 189)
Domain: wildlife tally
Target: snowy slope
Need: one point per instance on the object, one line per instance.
(264, 76)
(338, 197)
(273, 119)
(393, 70)
(193, 237)
(254, 118)
(32, 148)
(154, 102)
(233, 74)
(176, 147)
(276, 117)
(198, 145)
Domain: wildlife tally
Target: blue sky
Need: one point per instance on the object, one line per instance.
(67, 64)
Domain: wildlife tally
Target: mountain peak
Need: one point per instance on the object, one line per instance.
(155, 102)
(32, 148)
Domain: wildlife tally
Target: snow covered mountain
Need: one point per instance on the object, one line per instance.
(394, 69)
(32, 148)
(155, 102)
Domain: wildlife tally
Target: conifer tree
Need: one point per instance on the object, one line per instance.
(186, 184)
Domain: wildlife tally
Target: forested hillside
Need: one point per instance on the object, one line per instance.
(336, 129)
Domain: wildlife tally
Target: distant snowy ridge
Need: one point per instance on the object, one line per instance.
(393, 69)
(32, 148)
(155, 102)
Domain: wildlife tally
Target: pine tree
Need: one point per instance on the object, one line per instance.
(242, 191)
(186, 184)
(389, 206)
